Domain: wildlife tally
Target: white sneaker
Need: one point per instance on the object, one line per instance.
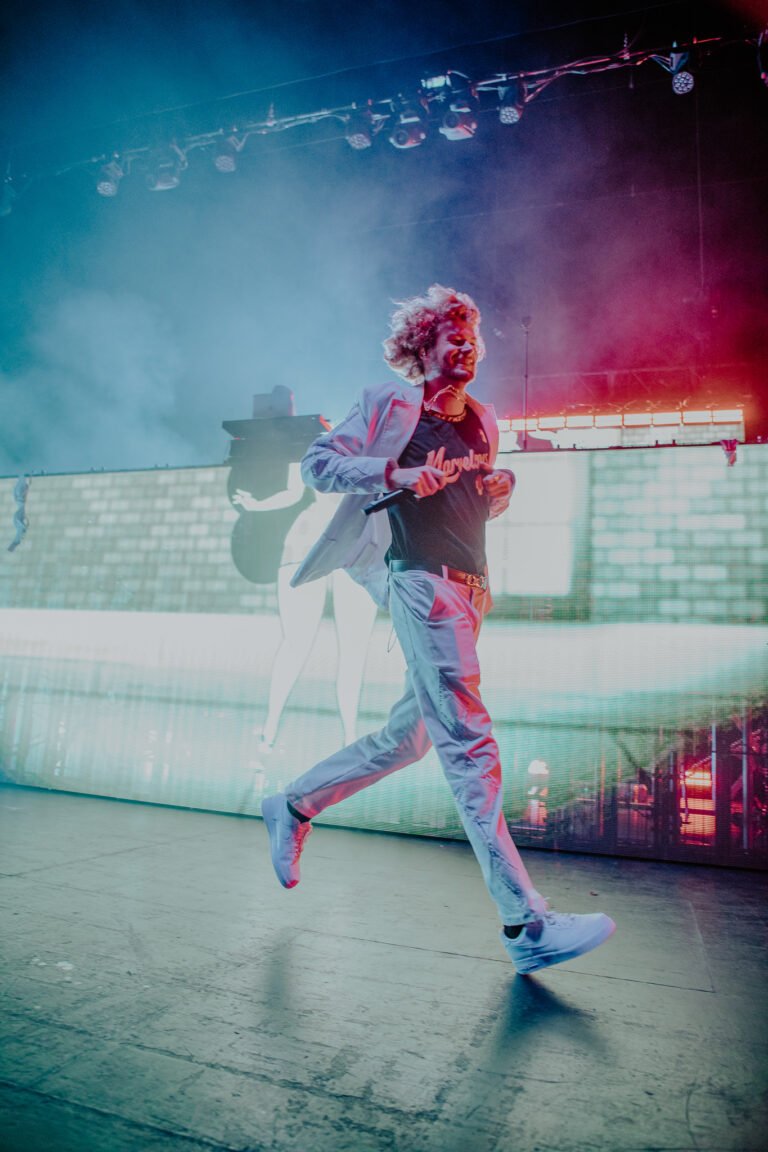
(555, 937)
(286, 838)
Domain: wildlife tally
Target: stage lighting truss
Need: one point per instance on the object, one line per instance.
(451, 102)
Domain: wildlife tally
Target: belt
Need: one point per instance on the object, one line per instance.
(471, 579)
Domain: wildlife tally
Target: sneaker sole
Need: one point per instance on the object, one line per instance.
(547, 960)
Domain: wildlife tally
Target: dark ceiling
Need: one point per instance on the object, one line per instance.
(627, 221)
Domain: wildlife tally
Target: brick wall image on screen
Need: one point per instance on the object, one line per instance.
(153, 649)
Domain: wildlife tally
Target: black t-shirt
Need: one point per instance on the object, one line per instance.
(448, 527)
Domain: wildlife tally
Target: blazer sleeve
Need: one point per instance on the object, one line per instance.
(338, 460)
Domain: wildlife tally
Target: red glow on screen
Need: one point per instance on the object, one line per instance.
(638, 419)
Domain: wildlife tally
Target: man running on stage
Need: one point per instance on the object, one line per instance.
(426, 556)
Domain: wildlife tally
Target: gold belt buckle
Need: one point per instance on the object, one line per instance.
(475, 581)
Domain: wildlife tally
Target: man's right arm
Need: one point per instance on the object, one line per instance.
(336, 461)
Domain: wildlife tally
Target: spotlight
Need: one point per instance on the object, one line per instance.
(511, 106)
(108, 180)
(358, 132)
(225, 155)
(441, 83)
(163, 178)
(165, 170)
(409, 131)
(459, 122)
(682, 82)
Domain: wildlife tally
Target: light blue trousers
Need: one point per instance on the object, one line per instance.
(437, 622)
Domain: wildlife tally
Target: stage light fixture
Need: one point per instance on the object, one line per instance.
(441, 83)
(357, 132)
(682, 82)
(166, 166)
(409, 130)
(511, 105)
(225, 155)
(459, 122)
(163, 178)
(108, 180)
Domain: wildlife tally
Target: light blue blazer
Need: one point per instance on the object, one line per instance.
(352, 458)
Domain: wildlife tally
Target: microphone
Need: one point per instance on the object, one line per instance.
(388, 499)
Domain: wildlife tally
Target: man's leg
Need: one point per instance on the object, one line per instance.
(437, 622)
(401, 741)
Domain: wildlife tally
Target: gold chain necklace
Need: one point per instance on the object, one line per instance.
(445, 416)
(429, 405)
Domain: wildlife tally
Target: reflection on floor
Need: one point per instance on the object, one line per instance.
(162, 992)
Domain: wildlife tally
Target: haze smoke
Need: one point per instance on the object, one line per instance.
(100, 393)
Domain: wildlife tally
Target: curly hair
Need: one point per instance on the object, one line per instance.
(414, 328)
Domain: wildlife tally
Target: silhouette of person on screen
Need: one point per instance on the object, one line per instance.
(300, 609)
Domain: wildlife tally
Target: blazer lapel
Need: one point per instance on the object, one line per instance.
(400, 421)
(487, 416)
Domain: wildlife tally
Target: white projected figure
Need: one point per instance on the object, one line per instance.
(301, 611)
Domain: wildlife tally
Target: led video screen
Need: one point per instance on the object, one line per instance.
(154, 649)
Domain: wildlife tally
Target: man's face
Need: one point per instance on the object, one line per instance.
(453, 357)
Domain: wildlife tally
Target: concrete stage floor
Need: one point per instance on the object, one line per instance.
(162, 992)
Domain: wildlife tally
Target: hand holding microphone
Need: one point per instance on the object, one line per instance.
(423, 480)
(413, 483)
